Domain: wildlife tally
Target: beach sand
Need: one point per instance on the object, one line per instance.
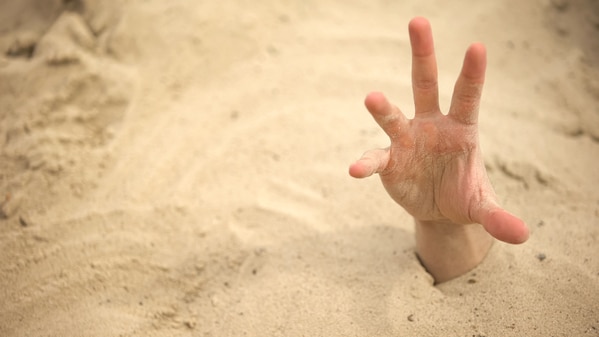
(179, 168)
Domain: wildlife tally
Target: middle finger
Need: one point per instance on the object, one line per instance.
(424, 67)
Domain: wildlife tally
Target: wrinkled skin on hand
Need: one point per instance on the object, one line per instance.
(434, 166)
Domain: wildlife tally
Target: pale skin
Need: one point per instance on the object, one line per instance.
(434, 166)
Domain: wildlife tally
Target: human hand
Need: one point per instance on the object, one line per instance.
(434, 166)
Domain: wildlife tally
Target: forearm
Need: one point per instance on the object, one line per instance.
(448, 250)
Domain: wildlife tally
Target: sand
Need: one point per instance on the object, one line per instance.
(179, 168)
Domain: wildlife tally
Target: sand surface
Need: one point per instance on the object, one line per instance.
(179, 168)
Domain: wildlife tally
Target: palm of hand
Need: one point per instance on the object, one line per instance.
(434, 166)
(435, 170)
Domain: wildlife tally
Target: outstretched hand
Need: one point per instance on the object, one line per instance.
(434, 166)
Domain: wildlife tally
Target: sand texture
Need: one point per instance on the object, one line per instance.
(179, 168)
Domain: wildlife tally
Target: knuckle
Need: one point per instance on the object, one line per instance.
(426, 83)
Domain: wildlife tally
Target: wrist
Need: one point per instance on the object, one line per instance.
(448, 250)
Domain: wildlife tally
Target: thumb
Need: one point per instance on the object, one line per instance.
(503, 225)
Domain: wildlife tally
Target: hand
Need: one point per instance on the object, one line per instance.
(434, 166)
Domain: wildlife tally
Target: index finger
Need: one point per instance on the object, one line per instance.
(469, 86)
